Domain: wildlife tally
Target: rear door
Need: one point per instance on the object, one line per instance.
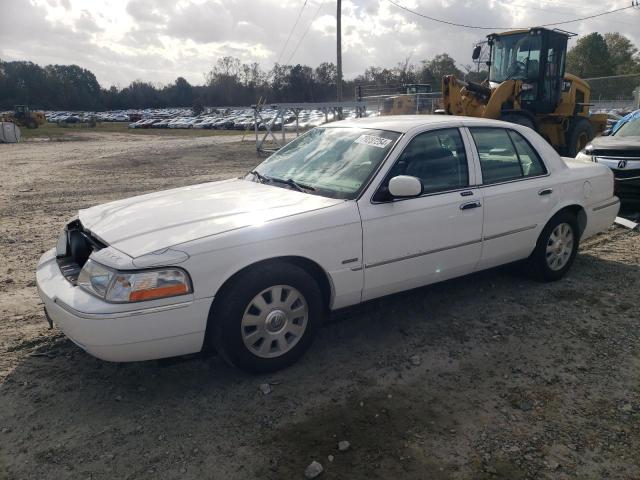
(411, 242)
(518, 194)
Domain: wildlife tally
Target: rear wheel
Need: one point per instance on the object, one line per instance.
(556, 248)
(267, 318)
(579, 135)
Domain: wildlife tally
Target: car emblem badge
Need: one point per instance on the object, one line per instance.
(622, 164)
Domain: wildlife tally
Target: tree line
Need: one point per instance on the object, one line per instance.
(231, 82)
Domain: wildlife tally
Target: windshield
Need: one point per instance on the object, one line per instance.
(515, 57)
(633, 117)
(333, 162)
(629, 129)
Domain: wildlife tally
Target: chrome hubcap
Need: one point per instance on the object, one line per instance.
(560, 246)
(274, 321)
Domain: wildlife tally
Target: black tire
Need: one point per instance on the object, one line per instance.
(537, 265)
(518, 120)
(224, 330)
(579, 135)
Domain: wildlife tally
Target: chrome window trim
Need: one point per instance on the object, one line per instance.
(470, 172)
(481, 183)
(523, 179)
(424, 195)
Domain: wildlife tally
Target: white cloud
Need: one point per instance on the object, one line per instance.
(159, 40)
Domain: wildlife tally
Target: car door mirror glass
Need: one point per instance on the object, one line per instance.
(403, 186)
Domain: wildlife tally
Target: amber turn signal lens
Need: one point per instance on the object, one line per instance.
(160, 292)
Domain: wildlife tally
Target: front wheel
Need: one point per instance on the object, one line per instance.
(578, 136)
(267, 318)
(556, 248)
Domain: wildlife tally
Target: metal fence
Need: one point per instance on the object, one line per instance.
(619, 92)
(422, 103)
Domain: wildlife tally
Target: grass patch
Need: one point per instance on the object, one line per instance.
(53, 131)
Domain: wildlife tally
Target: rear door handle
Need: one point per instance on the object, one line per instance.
(469, 205)
(545, 191)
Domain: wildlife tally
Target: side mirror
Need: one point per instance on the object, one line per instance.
(606, 133)
(476, 52)
(403, 186)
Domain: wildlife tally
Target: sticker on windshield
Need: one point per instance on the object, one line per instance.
(373, 141)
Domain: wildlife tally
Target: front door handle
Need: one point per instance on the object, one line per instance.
(545, 191)
(469, 205)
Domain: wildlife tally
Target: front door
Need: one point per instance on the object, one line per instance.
(409, 242)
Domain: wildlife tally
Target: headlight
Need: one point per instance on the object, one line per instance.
(123, 287)
(584, 156)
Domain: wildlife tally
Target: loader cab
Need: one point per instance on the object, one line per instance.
(415, 88)
(537, 58)
(21, 111)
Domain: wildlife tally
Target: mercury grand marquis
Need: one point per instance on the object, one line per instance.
(348, 212)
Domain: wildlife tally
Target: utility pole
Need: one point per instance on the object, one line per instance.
(339, 59)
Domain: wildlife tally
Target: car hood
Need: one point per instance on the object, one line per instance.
(616, 143)
(151, 222)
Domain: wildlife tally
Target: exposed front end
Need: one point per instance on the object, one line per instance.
(115, 313)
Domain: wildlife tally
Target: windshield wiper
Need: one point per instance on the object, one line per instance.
(301, 187)
(259, 176)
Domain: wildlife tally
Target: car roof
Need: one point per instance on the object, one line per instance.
(404, 123)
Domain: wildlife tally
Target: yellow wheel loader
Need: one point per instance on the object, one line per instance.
(25, 117)
(409, 100)
(528, 85)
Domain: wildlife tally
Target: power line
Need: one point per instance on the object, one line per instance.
(476, 27)
(291, 32)
(305, 32)
(545, 9)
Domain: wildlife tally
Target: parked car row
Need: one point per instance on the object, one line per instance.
(116, 115)
(85, 117)
(241, 119)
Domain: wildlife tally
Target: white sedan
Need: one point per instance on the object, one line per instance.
(348, 212)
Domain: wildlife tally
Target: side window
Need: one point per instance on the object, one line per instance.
(529, 159)
(505, 155)
(437, 158)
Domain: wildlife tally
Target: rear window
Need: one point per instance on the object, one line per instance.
(505, 155)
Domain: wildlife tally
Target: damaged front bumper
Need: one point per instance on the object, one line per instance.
(120, 332)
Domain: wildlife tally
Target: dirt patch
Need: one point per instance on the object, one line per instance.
(488, 376)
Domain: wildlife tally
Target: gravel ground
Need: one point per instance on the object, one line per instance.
(488, 376)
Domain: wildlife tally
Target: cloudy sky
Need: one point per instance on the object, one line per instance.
(159, 40)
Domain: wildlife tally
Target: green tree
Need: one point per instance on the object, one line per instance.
(433, 70)
(623, 55)
(77, 87)
(178, 94)
(590, 57)
(472, 74)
